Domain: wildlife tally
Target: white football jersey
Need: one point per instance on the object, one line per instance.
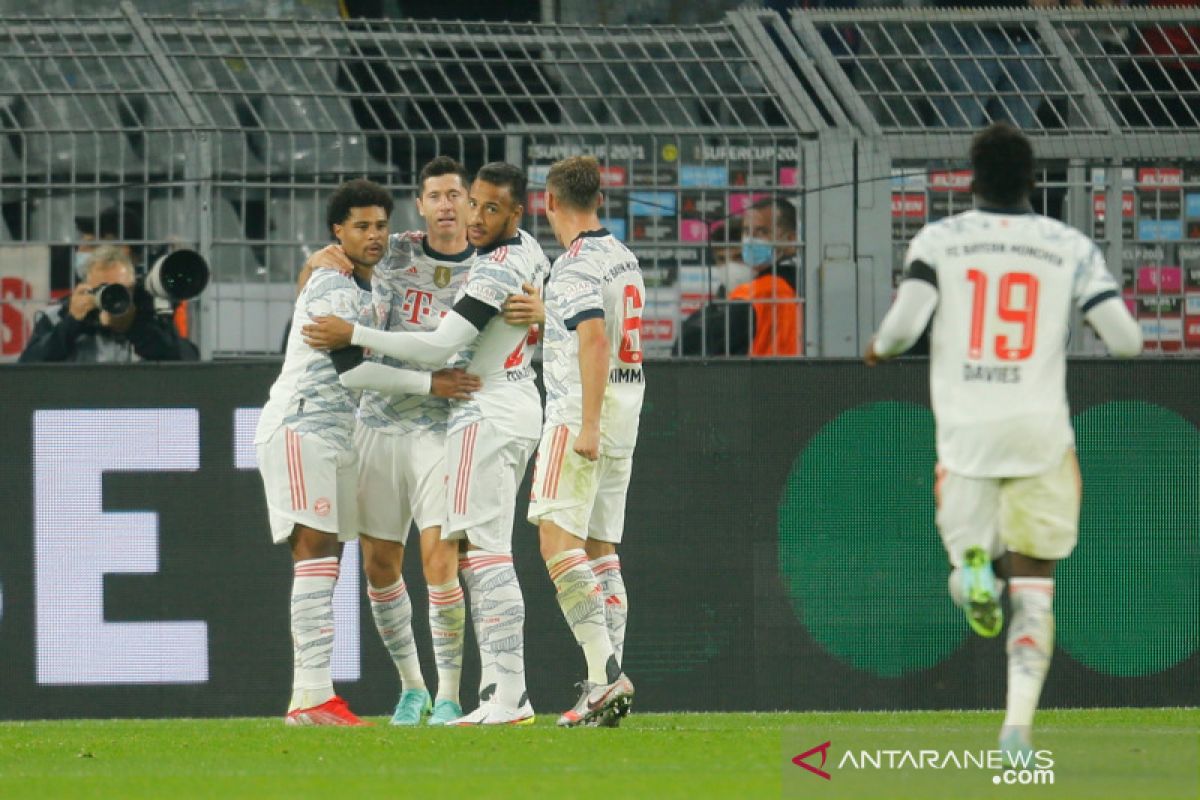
(597, 277)
(1006, 285)
(307, 396)
(413, 288)
(501, 354)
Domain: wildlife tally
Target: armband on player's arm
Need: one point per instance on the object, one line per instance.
(907, 318)
(432, 348)
(1108, 316)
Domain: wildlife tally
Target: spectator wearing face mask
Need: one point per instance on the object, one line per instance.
(762, 314)
(769, 249)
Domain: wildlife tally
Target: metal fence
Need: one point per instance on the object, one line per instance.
(227, 134)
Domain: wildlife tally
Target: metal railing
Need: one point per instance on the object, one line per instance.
(228, 134)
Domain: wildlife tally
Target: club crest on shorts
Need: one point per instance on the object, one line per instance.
(441, 277)
(321, 507)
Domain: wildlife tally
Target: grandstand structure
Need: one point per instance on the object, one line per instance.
(226, 135)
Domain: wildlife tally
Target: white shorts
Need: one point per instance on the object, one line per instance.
(584, 498)
(308, 482)
(484, 469)
(1036, 516)
(401, 479)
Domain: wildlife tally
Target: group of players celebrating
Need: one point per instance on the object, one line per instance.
(407, 395)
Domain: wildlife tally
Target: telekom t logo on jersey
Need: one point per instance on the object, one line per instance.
(416, 304)
(823, 749)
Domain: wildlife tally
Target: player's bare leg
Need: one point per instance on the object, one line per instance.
(392, 609)
(1030, 647)
(447, 620)
(315, 563)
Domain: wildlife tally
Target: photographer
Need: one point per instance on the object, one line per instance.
(75, 329)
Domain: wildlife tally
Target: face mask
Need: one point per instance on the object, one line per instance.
(735, 273)
(756, 252)
(81, 264)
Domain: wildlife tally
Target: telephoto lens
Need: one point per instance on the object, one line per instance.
(179, 275)
(113, 298)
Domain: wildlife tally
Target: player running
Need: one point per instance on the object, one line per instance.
(594, 386)
(490, 437)
(999, 283)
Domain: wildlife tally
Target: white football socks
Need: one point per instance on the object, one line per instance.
(447, 621)
(1030, 647)
(312, 631)
(582, 602)
(392, 610)
(500, 625)
(616, 604)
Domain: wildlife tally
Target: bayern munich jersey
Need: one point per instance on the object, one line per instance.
(501, 354)
(596, 277)
(307, 396)
(413, 288)
(1006, 284)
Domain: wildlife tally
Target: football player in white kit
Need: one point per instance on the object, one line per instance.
(400, 440)
(999, 283)
(306, 455)
(491, 436)
(592, 365)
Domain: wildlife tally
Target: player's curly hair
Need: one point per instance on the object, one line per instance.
(1002, 159)
(442, 165)
(500, 173)
(575, 181)
(358, 193)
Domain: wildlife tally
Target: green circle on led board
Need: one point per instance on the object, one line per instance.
(1128, 598)
(859, 554)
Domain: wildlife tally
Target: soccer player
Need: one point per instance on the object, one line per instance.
(594, 386)
(998, 283)
(400, 439)
(306, 455)
(490, 437)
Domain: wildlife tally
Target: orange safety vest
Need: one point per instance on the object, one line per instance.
(777, 324)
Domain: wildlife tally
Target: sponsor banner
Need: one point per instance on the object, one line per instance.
(612, 176)
(958, 180)
(1192, 205)
(1166, 230)
(1100, 204)
(615, 226)
(1160, 205)
(535, 203)
(740, 201)
(536, 174)
(652, 204)
(1159, 178)
(1160, 306)
(653, 175)
(1159, 280)
(706, 205)
(693, 230)
(912, 206)
(695, 175)
(1191, 333)
(653, 230)
(789, 176)
(24, 290)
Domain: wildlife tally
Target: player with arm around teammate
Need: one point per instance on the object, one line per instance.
(306, 455)
(999, 283)
(400, 439)
(490, 437)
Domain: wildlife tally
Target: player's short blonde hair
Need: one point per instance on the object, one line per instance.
(575, 182)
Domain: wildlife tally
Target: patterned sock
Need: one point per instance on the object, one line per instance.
(501, 625)
(312, 631)
(616, 604)
(1030, 646)
(447, 618)
(581, 600)
(470, 582)
(393, 619)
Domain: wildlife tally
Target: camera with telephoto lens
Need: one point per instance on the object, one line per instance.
(113, 298)
(178, 275)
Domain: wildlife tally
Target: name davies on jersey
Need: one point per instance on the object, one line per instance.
(1026, 250)
(977, 373)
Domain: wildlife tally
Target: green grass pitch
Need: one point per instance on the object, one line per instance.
(1118, 753)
